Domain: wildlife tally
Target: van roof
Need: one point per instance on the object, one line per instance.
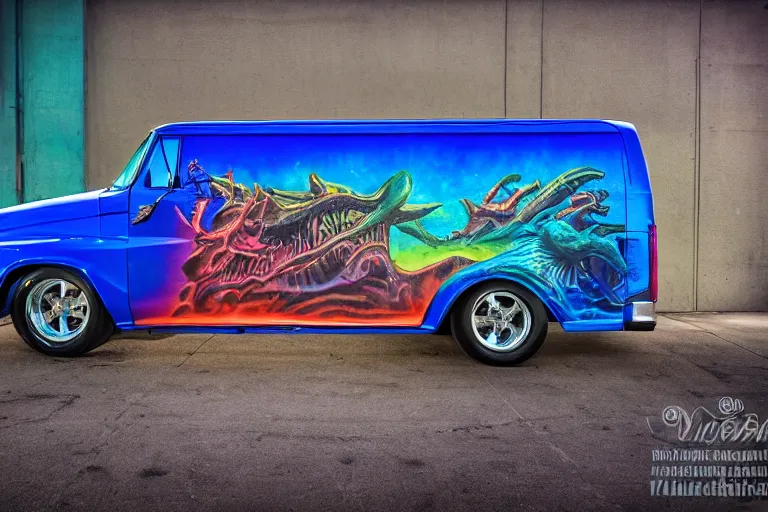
(396, 126)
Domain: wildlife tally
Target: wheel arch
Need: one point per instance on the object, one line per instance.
(438, 314)
(13, 276)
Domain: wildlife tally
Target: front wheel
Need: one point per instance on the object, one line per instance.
(57, 313)
(499, 323)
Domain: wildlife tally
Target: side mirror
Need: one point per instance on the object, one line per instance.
(146, 210)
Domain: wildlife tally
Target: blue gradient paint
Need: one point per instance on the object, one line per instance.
(445, 167)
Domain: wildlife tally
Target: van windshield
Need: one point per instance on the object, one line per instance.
(126, 177)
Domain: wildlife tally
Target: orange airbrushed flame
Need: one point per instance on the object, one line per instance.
(414, 295)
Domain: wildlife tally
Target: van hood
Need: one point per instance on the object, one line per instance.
(76, 206)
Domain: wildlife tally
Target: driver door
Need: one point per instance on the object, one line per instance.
(159, 238)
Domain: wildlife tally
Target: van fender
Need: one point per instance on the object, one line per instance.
(101, 262)
(462, 281)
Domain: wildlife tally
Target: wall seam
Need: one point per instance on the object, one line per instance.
(541, 64)
(697, 169)
(85, 97)
(506, 56)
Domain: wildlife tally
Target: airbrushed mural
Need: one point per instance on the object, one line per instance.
(364, 232)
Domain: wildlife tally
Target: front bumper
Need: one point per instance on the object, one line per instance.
(640, 316)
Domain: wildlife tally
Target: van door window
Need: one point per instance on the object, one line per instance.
(171, 150)
(162, 164)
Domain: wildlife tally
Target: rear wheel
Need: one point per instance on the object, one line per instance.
(499, 323)
(57, 313)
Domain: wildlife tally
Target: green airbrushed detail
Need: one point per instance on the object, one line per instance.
(494, 230)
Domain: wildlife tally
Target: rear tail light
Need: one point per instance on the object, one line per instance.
(654, 278)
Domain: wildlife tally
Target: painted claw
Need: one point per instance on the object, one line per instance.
(509, 178)
(410, 212)
(559, 189)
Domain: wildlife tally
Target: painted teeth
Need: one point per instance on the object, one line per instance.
(319, 229)
(309, 235)
(328, 224)
(336, 222)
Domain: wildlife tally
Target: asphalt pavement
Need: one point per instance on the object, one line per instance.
(308, 422)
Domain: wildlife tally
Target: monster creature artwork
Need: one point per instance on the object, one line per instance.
(323, 256)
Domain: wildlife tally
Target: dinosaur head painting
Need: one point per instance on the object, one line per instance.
(271, 250)
(570, 245)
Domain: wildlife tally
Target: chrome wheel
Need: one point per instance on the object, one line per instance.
(501, 321)
(57, 310)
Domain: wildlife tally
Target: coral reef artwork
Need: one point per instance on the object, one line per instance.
(322, 253)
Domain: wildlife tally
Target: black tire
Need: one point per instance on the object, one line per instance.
(445, 328)
(96, 331)
(462, 316)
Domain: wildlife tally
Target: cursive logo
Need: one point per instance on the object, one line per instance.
(730, 425)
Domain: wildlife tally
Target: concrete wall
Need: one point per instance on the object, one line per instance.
(733, 212)
(696, 96)
(154, 62)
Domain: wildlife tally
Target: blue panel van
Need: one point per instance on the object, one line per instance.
(488, 229)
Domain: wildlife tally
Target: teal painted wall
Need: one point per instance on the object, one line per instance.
(7, 103)
(53, 90)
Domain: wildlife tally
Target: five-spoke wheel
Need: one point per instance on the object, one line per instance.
(499, 323)
(58, 310)
(58, 313)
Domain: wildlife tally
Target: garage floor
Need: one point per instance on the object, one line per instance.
(306, 422)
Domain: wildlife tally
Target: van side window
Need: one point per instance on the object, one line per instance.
(171, 147)
(162, 164)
